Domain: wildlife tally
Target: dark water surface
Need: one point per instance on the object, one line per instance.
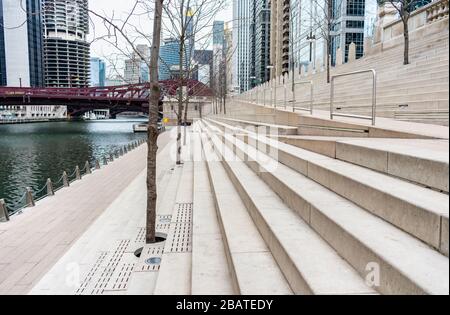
(31, 153)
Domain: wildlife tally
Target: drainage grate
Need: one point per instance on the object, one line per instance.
(181, 240)
(140, 237)
(184, 213)
(119, 280)
(91, 274)
(105, 272)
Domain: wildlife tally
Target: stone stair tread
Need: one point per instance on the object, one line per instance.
(322, 268)
(428, 268)
(428, 199)
(255, 269)
(210, 272)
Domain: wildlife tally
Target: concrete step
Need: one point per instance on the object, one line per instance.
(285, 130)
(422, 212)
(310, 265)
(253, 268)
(406, 265)
(421, 161)
(210, 272)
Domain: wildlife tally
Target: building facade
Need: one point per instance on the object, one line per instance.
(262, 41)
(169, 58)
(242, 17)
(66, 50)
(218, 80)
(280, 36)
(98, 72)
(136, 67)
(21, 65)
(203, 62)
(21, 57)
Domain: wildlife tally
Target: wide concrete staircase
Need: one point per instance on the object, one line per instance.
(417, 92)
(288, 214)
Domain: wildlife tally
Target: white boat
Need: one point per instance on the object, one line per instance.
(140, 127)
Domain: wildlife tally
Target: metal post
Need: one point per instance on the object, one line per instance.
(4, 209)
(125, 151)
(374, 97)
(121, 151)
(105, 160)
(332, 97)
(65, 179)
(87, 166)
(29, 197)
(264, 95)
(77, 173)
(285, 95)
(97, 165)
(50, 191)
(111, 157)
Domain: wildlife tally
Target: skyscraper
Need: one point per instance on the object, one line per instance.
(136, 67)
(218, 54)
(203, 60)
(66, 50)
(98, 72)
(242, 42)
(280, 36)
(21, 43)
(169, 57)
(262, 41)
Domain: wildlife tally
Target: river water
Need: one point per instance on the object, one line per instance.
(31, 153)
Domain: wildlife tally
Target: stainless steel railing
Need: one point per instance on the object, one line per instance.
(374, 95)
(310, 109)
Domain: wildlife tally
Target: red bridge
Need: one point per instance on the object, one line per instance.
(80, 100)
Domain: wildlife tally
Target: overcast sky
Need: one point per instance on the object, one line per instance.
(120, 9)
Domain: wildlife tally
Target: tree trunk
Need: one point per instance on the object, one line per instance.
(406, 45)
(185, 120)
(155, 94)
(330, 10)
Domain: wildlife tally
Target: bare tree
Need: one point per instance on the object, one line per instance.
(404, 9)
(155, 95)
(116, 30)
(320, 21)
(186, 21)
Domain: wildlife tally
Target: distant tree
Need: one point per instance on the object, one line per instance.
(404, 9)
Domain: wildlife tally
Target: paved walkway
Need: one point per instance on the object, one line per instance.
(31, 243)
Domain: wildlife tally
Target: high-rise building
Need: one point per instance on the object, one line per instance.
(280, 36)
(98, 72)
(169, 56)
(66, 49)
(242, 19)
(218, 55)
(21, 43)
(21, 56)
(136, 67)
(229, 52)
(203, 61)
(190, 34)
(262, 41)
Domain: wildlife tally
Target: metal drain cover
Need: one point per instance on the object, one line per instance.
(153, 261)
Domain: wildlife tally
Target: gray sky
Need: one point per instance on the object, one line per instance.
(120, 9)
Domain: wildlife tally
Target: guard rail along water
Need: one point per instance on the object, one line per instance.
(374, 95)
(30, 197)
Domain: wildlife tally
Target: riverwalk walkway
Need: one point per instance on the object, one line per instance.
(34, 241)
